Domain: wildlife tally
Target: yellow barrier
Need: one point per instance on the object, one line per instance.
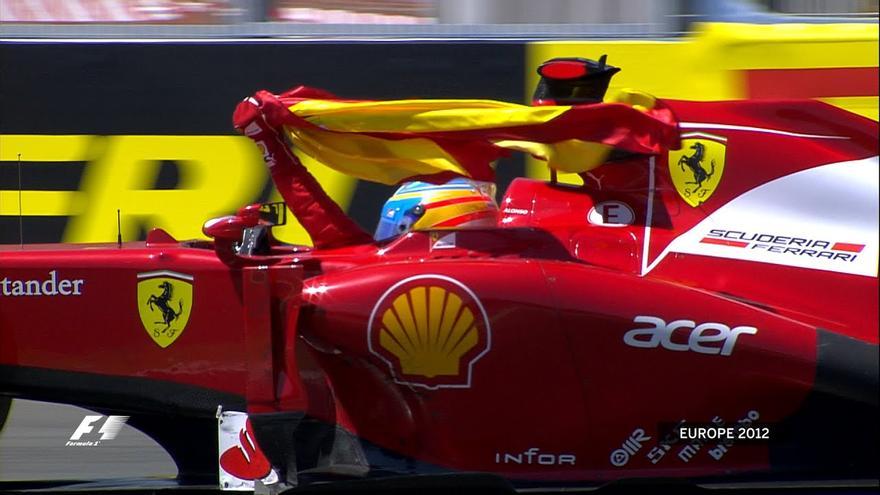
(218, 174)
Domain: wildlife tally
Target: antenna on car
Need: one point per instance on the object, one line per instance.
(118, 229)
(20, 220)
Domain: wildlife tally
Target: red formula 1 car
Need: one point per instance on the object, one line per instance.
(704, 308)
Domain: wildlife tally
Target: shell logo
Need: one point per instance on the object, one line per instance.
(429, 330)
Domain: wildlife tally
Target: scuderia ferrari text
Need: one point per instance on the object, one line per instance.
(51, 286)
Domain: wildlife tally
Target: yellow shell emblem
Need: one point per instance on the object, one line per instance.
(164, 302)
(430, 330)
(697, 167)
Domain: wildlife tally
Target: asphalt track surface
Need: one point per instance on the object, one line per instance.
(33, 447)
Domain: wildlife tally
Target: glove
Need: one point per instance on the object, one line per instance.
(258, 114)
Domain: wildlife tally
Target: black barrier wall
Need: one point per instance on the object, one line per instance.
(140, 126)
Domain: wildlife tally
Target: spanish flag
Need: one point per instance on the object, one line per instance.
(400, 140)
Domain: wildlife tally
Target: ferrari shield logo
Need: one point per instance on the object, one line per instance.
(164, 301)
(697, 167)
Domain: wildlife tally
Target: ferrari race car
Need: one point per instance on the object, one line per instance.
(704, 307)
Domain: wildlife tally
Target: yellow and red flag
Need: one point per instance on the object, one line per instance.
(399, 140)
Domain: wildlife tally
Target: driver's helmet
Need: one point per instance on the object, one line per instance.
(459, 203)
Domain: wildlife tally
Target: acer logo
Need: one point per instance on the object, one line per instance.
(706, 338)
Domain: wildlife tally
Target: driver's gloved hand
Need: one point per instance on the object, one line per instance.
(254, 118)
(259, 113)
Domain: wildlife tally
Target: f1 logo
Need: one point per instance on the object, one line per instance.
(108, 432)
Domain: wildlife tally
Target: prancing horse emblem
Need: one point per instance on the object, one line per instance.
(695, 163)
(165, 304)
(162, 302)
(696, 168)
